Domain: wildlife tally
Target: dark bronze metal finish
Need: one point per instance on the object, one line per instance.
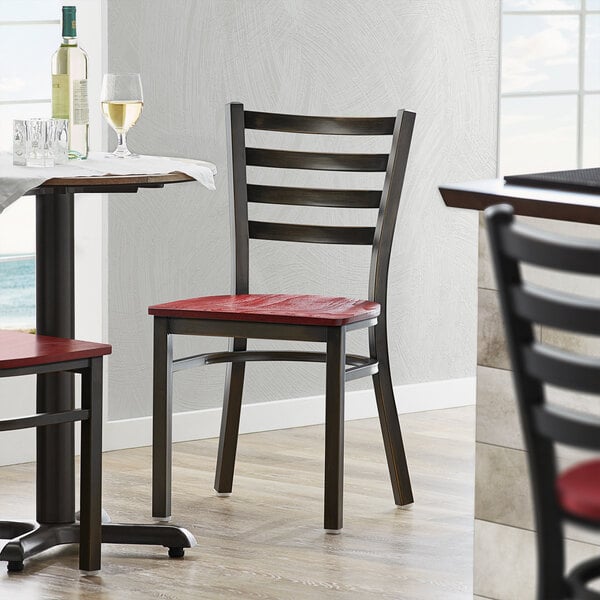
(315, 234)
(380, 237)
(272, 194)
(27, 539)
(319, 125)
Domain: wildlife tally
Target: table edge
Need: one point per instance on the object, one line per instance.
(526, 201)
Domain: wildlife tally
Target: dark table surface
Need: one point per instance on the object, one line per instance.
(539, 202)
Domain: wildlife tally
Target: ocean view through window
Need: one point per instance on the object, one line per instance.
(17, 291)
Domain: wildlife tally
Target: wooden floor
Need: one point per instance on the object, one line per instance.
(265, 542)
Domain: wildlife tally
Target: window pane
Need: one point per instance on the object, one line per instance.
(592, 52)
(593, 4)
(591, 131)
(17, 292)
(8, 112)
(30, 10)
(539, 53)
(541, 4)
(27, 74)
(538, 134)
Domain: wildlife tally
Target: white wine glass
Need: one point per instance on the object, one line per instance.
(122, 103)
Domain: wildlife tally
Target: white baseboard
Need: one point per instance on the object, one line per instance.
(295, 412)
(19, 446)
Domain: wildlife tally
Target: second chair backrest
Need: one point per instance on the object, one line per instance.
(536, 364)
(525, 304)
(386, 200)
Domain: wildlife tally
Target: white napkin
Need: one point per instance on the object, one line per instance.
(15, 180)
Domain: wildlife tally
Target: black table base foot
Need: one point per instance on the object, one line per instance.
(168, 536)
(37, 539)
(29, 538)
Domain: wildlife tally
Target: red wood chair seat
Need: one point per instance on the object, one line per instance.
(579, 490)
(18, 349)
(271, 308)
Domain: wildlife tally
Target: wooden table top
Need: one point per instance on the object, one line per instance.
(111, 180)
(528, 201)
(108, 183)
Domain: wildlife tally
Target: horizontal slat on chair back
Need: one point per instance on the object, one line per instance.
(562, 369)
(546, 250)
(319, 161)
(567, 426)
(271, 194)
(319, 125)
(318, 234)
(555, 309)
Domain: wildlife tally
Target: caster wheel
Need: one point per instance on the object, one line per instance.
(14, 566)
(174, 553)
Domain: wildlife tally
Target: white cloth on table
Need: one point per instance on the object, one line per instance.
(16, 180)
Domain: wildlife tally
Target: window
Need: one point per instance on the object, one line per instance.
(550, 85)
(29, 34)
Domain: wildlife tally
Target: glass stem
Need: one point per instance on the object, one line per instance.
(122, 149)
(121, 141)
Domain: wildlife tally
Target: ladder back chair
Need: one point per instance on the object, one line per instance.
(28, 354)
(299, 317)
(572, 494)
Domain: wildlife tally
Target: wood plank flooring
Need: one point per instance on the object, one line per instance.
(265, 542)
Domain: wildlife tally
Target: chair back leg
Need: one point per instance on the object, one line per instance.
(230, 420)
(388, 417)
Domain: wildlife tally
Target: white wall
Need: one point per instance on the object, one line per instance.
(340, 57)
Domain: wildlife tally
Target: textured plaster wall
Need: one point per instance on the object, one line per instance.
(334, 57)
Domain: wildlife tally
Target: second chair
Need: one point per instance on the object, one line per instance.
(299, 317)
(559, 496)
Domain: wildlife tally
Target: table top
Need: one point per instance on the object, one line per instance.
(115, 180)
(539, 202)
(99, 173)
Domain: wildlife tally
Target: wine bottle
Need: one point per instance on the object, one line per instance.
(69, 86)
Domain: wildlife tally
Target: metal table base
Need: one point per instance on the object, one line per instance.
(55, 315)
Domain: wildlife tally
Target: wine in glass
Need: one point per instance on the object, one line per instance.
(122, 103)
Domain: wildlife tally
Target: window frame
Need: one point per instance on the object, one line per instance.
(580, 92)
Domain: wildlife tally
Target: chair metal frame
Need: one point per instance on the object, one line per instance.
(377, 364)
(536, 364)
(29, 538)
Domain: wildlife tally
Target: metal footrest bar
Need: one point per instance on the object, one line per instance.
(215, 358)
(41, 419)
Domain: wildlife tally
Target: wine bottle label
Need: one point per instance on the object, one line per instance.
(81, 115)
(60, 96)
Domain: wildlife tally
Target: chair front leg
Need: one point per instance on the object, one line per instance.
(90, 524)
(388, 416)
(162, 418)
(334, 429)
(230, 421)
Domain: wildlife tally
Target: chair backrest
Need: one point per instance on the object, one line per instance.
(523, 304)
(387, 200)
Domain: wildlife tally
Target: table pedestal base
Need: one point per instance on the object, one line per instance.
(30, 538)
